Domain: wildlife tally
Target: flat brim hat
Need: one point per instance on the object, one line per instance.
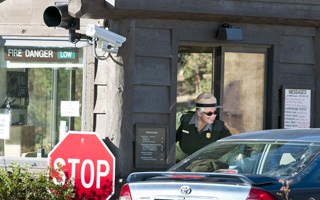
(206, 100)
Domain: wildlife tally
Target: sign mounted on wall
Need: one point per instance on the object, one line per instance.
(150, 145)
(297, 108)
(43, 54)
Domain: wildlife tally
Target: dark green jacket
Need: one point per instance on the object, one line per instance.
(189, 138)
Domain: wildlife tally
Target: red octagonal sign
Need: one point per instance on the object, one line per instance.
(85, 159)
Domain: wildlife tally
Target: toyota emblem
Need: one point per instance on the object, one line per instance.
(185, 190)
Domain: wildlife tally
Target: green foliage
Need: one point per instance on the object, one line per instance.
(19, 183)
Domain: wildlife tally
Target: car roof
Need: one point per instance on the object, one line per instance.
(307, 135)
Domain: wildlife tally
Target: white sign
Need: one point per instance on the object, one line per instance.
(5, 126)
(297, 108)
(70, 108)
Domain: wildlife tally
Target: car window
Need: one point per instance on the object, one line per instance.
(288, 159)
(241, 157)
(270, 159)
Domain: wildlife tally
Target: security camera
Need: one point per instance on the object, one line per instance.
(112, 38)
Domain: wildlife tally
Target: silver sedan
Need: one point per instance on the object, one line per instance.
(260, 165)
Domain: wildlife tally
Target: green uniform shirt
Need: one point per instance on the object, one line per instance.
(191, 140)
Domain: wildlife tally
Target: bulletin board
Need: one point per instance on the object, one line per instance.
(150, 145)
(297, 107)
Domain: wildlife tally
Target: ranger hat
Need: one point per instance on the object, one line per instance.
(205, 100)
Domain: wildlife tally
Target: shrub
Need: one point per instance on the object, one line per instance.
(17, 183)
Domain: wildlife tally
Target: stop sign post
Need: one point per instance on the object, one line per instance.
(85, 159)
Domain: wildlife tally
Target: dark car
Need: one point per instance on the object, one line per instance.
(260, 165)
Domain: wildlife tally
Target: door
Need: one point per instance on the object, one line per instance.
(236, 75)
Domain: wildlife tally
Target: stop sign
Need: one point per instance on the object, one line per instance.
(85, 159)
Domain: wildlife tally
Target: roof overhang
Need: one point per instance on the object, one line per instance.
(268, 12)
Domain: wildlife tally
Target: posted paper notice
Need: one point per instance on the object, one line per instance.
(70, 108)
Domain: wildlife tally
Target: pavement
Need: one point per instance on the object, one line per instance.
(35, 165)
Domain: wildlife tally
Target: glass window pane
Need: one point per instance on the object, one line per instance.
(243, 157)
(194, 75)
(243, 97)
(34, 81)
(288, 159)
(48, 88)
(36, 107)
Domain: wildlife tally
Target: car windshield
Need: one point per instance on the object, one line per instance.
(277, 159)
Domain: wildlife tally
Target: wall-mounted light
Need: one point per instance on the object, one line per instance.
(227, 32)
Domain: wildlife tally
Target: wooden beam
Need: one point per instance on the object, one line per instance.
(287, 10)
(93, 9)
(223, 10)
